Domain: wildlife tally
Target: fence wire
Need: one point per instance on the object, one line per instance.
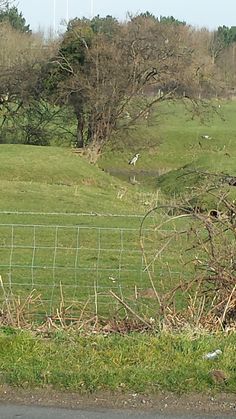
(78, 264)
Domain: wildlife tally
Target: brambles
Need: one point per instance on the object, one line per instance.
(205, 294)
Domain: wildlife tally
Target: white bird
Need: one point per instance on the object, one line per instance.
(213, 355)
(134, 159)
(206, 137)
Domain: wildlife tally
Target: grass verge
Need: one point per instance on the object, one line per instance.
(139, 363)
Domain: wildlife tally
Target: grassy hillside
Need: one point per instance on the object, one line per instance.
(171, 139)
(43, 251)
(50, 179)
(55, 180)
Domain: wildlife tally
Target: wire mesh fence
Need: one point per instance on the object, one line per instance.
(80, 265)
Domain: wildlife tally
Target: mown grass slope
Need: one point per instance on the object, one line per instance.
(50, 179)
(43, 243)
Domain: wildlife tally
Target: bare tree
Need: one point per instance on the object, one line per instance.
(125, 71)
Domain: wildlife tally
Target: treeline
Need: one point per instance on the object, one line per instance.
(101, 74)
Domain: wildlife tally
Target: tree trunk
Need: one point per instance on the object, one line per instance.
(80, 131)
(94, 149)
(90, 130)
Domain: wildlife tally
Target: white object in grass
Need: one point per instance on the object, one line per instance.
(213, 355)
(206, 137)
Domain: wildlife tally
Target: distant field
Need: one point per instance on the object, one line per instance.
(171, 139)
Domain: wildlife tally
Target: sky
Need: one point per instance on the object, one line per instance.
(199, 13)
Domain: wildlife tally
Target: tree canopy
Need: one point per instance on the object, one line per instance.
(105, 68)
(226, 35)
(11, 15)
(102, 70)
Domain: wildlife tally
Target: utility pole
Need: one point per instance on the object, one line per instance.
(54, 17)
(91, 9)
(67, 11)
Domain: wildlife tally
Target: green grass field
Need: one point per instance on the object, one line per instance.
(44, 189)
(50, 179)
(45, 245)
(70, 233)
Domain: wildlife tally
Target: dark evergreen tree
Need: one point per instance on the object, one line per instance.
(15, 18)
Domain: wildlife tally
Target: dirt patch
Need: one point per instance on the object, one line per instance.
(163, 402)
(89, 182)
